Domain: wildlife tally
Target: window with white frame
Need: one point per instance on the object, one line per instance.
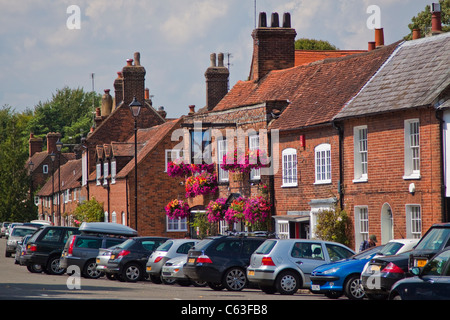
(114, 217)
(84, 169)
(124, 221)
(361, 225)
(282, 229)
(177, 224)
(173, 155)
(113, 170)
(360, 153)
(105, 172)
(412, 149)
(253, 144)
(323, 163)
(221, 152)
(289, 163)
(45, 169)
(413, 222)
(98, 173)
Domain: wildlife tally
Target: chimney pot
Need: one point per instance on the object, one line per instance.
(275, 20)
(212, 57)
(107, 103)
(262, 20)
(147, 94)
(416, 34)
(371, 46)
(129, 62)
(220, 59)
(119, 74)
(191, 109)
(379, 37)
(137, 59)
(436, 25)
(286, 20)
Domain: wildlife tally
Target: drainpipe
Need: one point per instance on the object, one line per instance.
(441, 160)
(341, 166)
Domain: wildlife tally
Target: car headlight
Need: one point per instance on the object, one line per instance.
(330, 271)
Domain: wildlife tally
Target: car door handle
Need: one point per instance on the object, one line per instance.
(299, 262)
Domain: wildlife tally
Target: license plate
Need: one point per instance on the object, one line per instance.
(315, 287)
(251, 273)
(375, 268)
(191, 260)
(112, 257)
(149, 268)
(421, 263)
(97, 261)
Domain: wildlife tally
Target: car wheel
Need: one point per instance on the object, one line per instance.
(287, 282)
(199, 283)
(53, 266)
(90, 270)
(235, 279)
(215, 286)
(155, 279)
(167, 280)
(353, 288)
(35, 268)
(132, 272)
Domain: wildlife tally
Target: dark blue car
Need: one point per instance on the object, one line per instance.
(342, 277)
(431, 283)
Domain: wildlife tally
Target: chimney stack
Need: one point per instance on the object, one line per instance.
(118, 89)
(436, 25)
(274, 47)
(162, 112)
(106, 103)
(52, 138)
(34, 145)
(216, 81)
(133, 81)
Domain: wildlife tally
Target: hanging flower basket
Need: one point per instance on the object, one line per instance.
(263, 189)
(216, 210)
(202, 167)
(256, 210)
(201, 184)
(235, 213)
(181, 169)
(177, 209)
(251, 159)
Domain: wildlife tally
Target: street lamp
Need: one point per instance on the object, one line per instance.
(53, 156)
(135, 107)
(31, 167)
(59, 145)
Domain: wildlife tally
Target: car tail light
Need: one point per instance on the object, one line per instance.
(267, 261)
(204, 259)
(69, 252)
(392, 268)
(32, 247)
(123, 253)
(158, 259)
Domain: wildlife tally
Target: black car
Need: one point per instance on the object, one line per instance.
(430, 283)
(434, 240)
(128, 260)
(381, 273)
(222, 261)
(44, 249)
(81, 250)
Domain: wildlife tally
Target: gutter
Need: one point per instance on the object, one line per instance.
(341, 166)
(444, 213)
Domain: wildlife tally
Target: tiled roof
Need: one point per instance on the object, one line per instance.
(70, 178)
(307, 56)
(414, 76)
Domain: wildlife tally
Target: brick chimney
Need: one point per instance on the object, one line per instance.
(273, 47)
(436, 25)
(52, 138)
(216, 81)
(107, 103)
(133, 81)
(118, 89)
(379, 37)
(34, 145)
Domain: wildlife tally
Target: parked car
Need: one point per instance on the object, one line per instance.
(222, 261)
(127, 261)
(44, 249)
(10, 227)
(3, 228)
(172, 271)
(17, 234)
(435, 239)
(381, 272)
(21, 248)
(81, 250)
(42, 222)
(285, 266)
(430, 283)
(342, 277)
(170, 249)
(397, 246)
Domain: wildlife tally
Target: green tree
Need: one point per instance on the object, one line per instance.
(312, 44)
(89, 211)
(423, 20)
(16, 204)
(333, 225)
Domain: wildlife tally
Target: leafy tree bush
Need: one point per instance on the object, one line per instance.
(333, 225)
(89, 211)
(312, 44)
(423, 20)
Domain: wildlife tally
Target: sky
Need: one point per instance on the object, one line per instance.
(46, 45)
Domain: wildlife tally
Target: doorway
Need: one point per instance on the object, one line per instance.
(387, 224)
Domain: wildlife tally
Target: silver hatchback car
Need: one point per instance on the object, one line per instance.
(285, 265)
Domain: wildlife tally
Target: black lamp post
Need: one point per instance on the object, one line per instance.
(31, 167)
(59, 145)
(53, 156)
(135, 107)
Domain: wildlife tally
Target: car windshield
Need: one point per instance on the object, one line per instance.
(266, 247)
(434, 239)
(436, 266)
(21, 232)
(367, 254)
(126, 244)
(202, 244)
(391, 248)
(165, 246)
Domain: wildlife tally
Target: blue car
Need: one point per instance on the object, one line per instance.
(342, 277)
